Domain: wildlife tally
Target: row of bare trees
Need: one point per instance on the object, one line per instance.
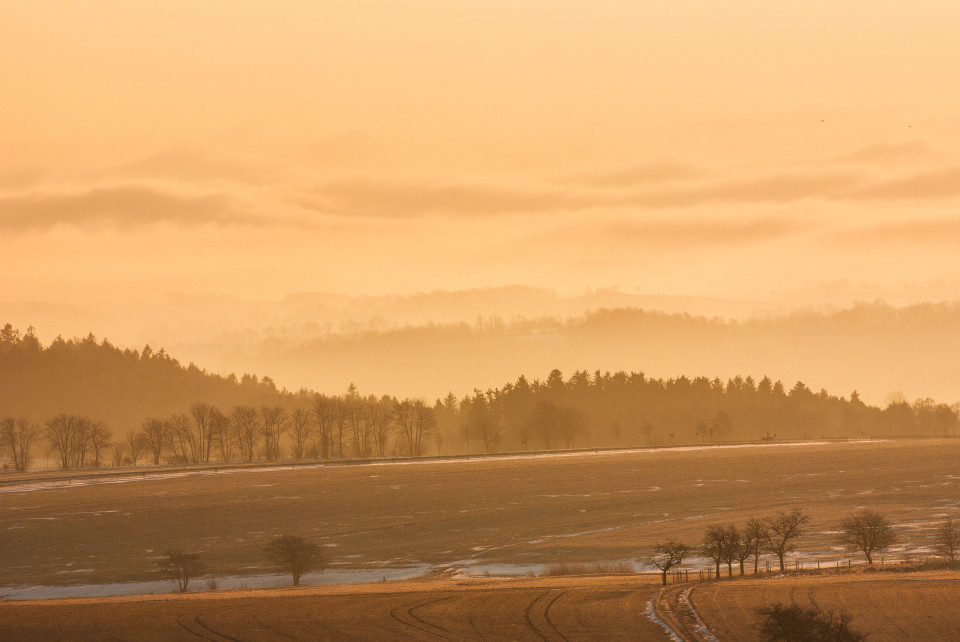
(337, 426)
(866, 531)
(320, 426)
(77, 440)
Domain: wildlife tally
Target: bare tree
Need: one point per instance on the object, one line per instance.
(867, 531)
(57, 433)
(182, 567)
(296, 554)
(69, 435)
(202, 414)
(273, 425)
(154, 432)
(756, 535)
(180, 437)
(668, 554)
(220, 433)
(100, 436)
(82, 433)
(135, 444)
(417, 422)
(380, 420)
(118, 449)
(16, 438)
(244, 422)
(781, 531)
(341, 413)
(323, 411)
(741, 545)
(947, 539)
(731, 537)
(715, 545)
(357, 421)
(301, 424)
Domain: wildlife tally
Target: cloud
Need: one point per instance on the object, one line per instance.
(682, 233)
(916, 231)
(642, 175)
(191, 166)
(784, 188)
(889, 153)
(943, 183)
(397, 199)
(406, 200)
(21, 178)
(119, 207)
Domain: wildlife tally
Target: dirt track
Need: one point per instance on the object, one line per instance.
(554, 609)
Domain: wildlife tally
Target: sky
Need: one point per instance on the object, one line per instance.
(792, 151)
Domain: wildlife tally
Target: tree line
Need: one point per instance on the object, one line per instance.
(331, 427)
(114, 406)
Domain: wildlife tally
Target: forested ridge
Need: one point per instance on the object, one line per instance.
(84, 401)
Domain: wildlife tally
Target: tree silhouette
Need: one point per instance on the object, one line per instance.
(867, 531)
(301, 429)
(716, 545)
(781, 530)
(755, 536)
(154, 435)
(295, 554)
(667, 555)
(17, 436)
(181, 567)
(947, 540)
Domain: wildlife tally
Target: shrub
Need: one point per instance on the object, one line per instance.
(779, 623)
(591, 568)
(181, 567)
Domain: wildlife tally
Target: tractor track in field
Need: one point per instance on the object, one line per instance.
(547, 630)
(414, 621)
(204, 632)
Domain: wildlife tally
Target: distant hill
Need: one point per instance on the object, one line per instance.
(875, 348)
(121, 387)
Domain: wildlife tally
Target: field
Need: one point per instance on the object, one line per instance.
(452, 523)
(887, 606)
(480, 515)
(553, 609)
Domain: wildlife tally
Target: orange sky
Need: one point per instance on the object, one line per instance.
(798, 151)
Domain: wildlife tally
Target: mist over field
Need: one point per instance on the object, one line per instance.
(430, 344)
(874, 348)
